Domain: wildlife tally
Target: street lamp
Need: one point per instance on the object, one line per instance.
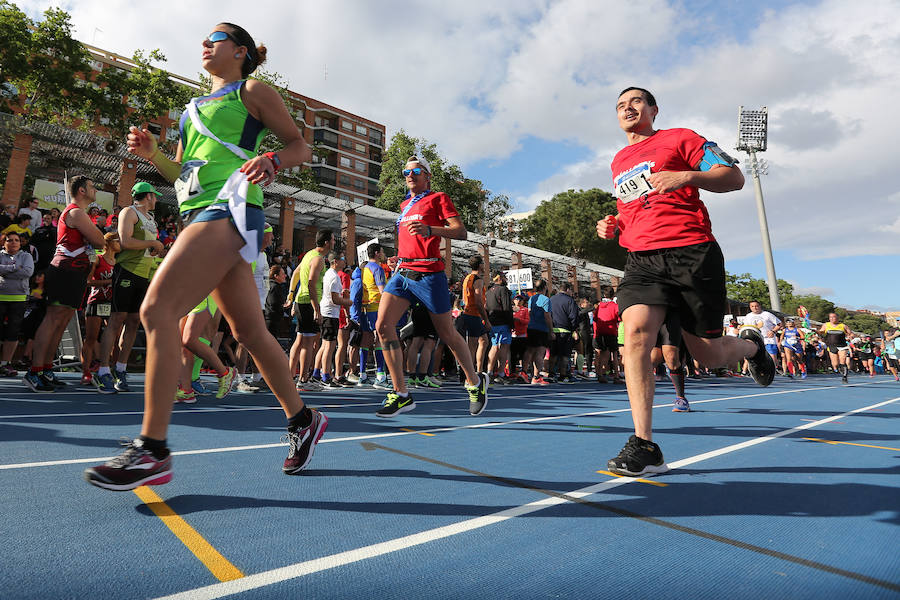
(752, 138)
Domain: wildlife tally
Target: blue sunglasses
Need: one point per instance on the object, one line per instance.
(221, 36)
(416, 171)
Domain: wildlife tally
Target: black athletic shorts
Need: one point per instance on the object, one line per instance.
(98, 309)
(422, 324)
(306, 322)
(889, 360)
(670, 331)
(537, 338)
(330, 327)
(64, 286)
(12, 314)
(690, 279)
(128, 290)
(561, 344)
(606, 342)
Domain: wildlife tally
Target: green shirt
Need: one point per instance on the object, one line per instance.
(302, 296)
(139, 262)
(225, 115)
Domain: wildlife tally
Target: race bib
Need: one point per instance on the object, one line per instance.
(188, 183)
(634, 183)
(103, 309)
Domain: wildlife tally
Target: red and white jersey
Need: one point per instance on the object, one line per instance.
(433, 210)
(71, 247)
(649, 220)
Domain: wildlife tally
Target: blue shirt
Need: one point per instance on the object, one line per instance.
(538, 305)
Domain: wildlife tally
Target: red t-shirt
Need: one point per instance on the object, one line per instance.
(345, 285)
(434, 210)
(606, 319)
(649, 220)
(71, 239)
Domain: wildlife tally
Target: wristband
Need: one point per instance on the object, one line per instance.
(276, 162)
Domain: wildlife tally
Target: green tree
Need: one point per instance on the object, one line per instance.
(567, 224)
(745, 288)
(476, 205)
(861, 322)
(15, 42)
(817, 306)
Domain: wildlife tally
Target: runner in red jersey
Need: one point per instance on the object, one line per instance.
(673, 263)
(65, 281)
(425, 217)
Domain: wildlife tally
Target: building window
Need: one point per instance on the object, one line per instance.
(361, 148)
(345, 180)
(172, 134)
(360, 166)
(175, 114)
(345, 197)
(359, 184)
(375, 136)
(346, 144)
(346, 162)
(361, 130)
(326, 137)
(347, 125)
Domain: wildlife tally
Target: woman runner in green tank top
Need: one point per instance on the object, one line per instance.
(206, 259)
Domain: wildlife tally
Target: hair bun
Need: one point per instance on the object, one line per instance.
(261, 54)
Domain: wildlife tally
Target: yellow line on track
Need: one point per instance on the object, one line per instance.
(851, 444)
(656, 483)
(218, 565)
(419, 432)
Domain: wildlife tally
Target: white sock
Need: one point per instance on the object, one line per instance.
(120, 367)
(103, 371)
(256, 377)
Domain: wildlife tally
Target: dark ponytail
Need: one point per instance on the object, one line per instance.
(256, 55)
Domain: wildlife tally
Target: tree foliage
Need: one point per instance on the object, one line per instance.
(47, 76)
(745, 288)
(567, 224)
(477, 206)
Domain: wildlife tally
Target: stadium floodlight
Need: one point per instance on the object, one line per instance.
(753, 126)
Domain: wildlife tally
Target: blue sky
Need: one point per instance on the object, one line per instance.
(520, 94)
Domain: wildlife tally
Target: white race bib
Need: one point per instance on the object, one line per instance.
(188, 183)
(634, 183)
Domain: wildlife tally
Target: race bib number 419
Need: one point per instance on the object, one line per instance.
(634, 183)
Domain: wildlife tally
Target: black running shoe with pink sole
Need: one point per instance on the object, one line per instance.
(302, 442)
(762, 368)
(136, 466)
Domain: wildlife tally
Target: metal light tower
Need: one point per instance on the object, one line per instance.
(752, 138)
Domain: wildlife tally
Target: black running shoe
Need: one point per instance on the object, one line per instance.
(762, 369)
(36, 383)
(395, 404)
(478, 395)
(638, 457)
(136, 466)
(50, 377)
(303, 442)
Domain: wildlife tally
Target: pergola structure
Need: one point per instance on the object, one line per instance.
(47, 151)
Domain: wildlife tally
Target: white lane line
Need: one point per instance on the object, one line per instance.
(375, 436)
(267, 578)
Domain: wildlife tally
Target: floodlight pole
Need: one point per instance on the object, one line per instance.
(764, 233)
(752, 136)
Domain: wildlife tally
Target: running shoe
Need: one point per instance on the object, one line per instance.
(121, 381)
(539, 381)
(310, 385)
(412, 381)
(364, 381)
(36, 383)
(394, 405)
(185, 397)
(50, 376)
(331, 385)
(478, 395)
(524, 377)
(105, 383)
(199, 388)
(565, 381)
(381, 384)
(351, 378)
(638, 457)
(303, 442)
(7, 371)
(803, 375)
(344, 382)
(762, 369)
(136, 466)
(681, 405)
(246, 387)
(426, 382)
(225, 383)
(87, 379)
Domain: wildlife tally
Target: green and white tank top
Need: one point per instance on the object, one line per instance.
(140, 262)
(207, 164)
(302, 295)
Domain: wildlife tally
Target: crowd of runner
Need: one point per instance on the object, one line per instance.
(218, 296)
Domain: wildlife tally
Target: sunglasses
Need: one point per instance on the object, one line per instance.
(416, 171)
(221, 36)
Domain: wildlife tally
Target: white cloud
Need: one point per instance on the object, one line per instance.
(477, 78)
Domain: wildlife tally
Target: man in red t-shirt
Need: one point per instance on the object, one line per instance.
(673, 262)
(425, 217)
(606, 339)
